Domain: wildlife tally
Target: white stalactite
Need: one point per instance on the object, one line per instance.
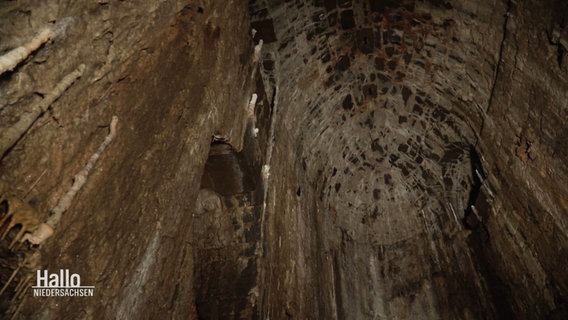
(10, 136)
(80, 178)
(257, 49)
(11, 59)
(252, 104)
(42, 233)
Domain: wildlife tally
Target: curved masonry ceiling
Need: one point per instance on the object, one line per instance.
(376, 106)
(381, 107)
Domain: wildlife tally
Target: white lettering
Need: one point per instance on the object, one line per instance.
(41, 280)
(64, 292)
(60, 284)
(53, 280)
(75, 280)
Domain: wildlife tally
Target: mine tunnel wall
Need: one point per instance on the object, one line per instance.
(228, 221)
(380, 124)
(523, 152)
(174, 73)
(486, 92)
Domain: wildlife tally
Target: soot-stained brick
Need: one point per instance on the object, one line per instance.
(384, 77)
(417, 109)
(268, 65)
(347, 19)
(395, 38)
(330, 4)
(348, 102)
(388, 179)
(386, 37)
(380, 64)
(365, 40)
(376, 194)
(382, 5)
(343, 63)
(406, 93)
(399, 76)
(332, 19)
(265, 30)
(378, 41)
(345, 3)
(376, 146)
(420, 64)
(407, 57)
(325, 57)
(370, 91)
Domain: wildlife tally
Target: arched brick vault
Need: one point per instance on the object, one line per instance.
(391, 116)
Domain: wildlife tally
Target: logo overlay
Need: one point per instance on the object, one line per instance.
(62, 284)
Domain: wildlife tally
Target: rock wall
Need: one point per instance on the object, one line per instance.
(523, 143)
(175, 74)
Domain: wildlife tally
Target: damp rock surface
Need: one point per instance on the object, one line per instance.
(403, 159)
(162, 68)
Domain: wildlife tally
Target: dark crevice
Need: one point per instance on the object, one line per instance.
(498, 291)
(476, 219)
(471, 219)
(227, 172)
(227, 234)
(337, 281)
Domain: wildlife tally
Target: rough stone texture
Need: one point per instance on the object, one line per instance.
(524, 143)
(175, 74)
(410, 161)
(391, 123)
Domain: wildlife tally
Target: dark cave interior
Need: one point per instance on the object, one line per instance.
(323, 159)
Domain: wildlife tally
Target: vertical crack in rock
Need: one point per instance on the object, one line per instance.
(507, 16)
